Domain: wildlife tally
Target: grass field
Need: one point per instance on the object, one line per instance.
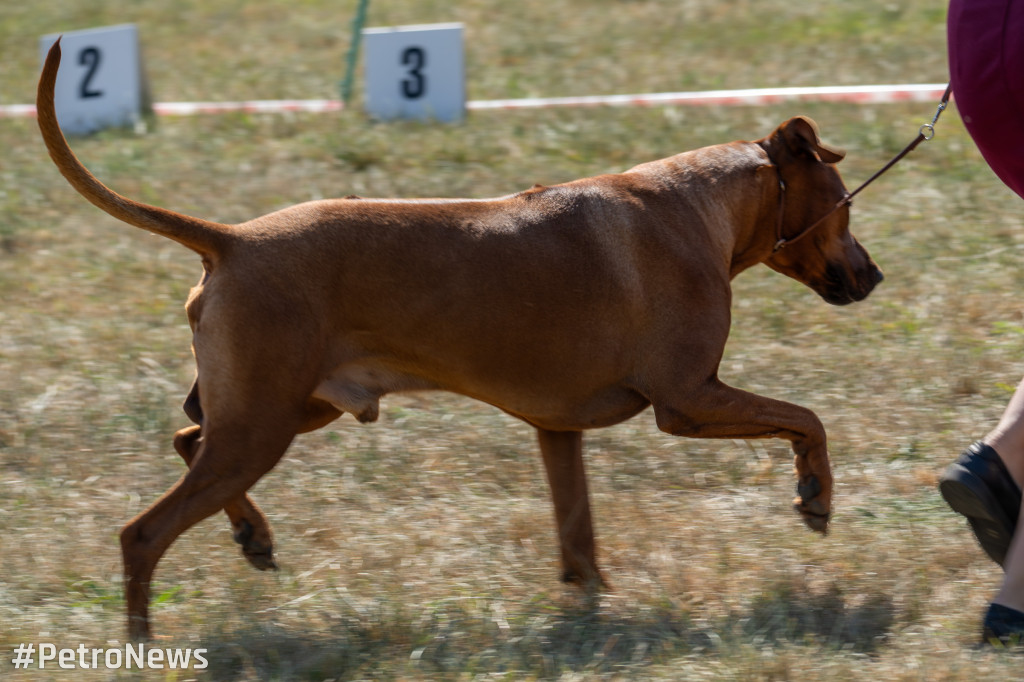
(422, 546)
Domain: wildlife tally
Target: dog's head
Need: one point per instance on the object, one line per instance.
(828, 259)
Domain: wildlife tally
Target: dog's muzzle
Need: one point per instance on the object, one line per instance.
(841, 289)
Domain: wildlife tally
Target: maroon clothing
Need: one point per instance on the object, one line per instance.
(986, 65)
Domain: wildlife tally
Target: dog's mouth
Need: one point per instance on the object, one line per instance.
(839, 288)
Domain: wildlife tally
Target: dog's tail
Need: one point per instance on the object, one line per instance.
(208, 239)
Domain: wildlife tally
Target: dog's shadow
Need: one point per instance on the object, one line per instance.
(545, 640)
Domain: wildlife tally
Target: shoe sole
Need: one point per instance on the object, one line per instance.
(968, 495)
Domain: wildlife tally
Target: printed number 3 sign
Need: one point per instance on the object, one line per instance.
(415, 72)
(100, 83)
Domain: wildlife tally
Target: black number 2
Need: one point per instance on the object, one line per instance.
(415, 85)
(90, 58)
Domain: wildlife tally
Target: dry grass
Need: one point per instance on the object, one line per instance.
(422, 547)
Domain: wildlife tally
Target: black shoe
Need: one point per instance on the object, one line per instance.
(978, 486)
(1004, 625)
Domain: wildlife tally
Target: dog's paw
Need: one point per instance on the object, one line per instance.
(814, 510)
(590, 581)
(816, 522)
(263, 561)
(257, 551)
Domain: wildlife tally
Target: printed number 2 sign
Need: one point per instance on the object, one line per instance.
(100, 83)
(415, 72)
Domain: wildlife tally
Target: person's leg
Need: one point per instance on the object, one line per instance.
(1007, 438)
(1011, 593)
(984, 485)
(986, 47)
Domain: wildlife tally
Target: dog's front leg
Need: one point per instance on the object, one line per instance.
(563, 462)
(715, 410)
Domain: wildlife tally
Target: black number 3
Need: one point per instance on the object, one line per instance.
(90, 58)
(416, 85)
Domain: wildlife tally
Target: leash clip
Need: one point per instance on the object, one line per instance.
(928, 129)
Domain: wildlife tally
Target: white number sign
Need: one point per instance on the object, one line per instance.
(100, 83)
(415, 72)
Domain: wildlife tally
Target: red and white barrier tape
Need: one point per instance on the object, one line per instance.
(271, 106)
(858, 94)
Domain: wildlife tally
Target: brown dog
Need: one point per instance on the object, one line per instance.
(571, 307)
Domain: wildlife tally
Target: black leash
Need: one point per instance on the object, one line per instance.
(926, 133)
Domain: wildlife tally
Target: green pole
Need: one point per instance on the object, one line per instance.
(353, 52)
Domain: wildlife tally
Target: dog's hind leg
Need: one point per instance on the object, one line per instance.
(563, 462)
(249, 525)
(228, 460)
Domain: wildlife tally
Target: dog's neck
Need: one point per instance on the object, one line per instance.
(754, 234)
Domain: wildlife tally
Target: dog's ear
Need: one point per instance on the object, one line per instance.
(801, 136)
